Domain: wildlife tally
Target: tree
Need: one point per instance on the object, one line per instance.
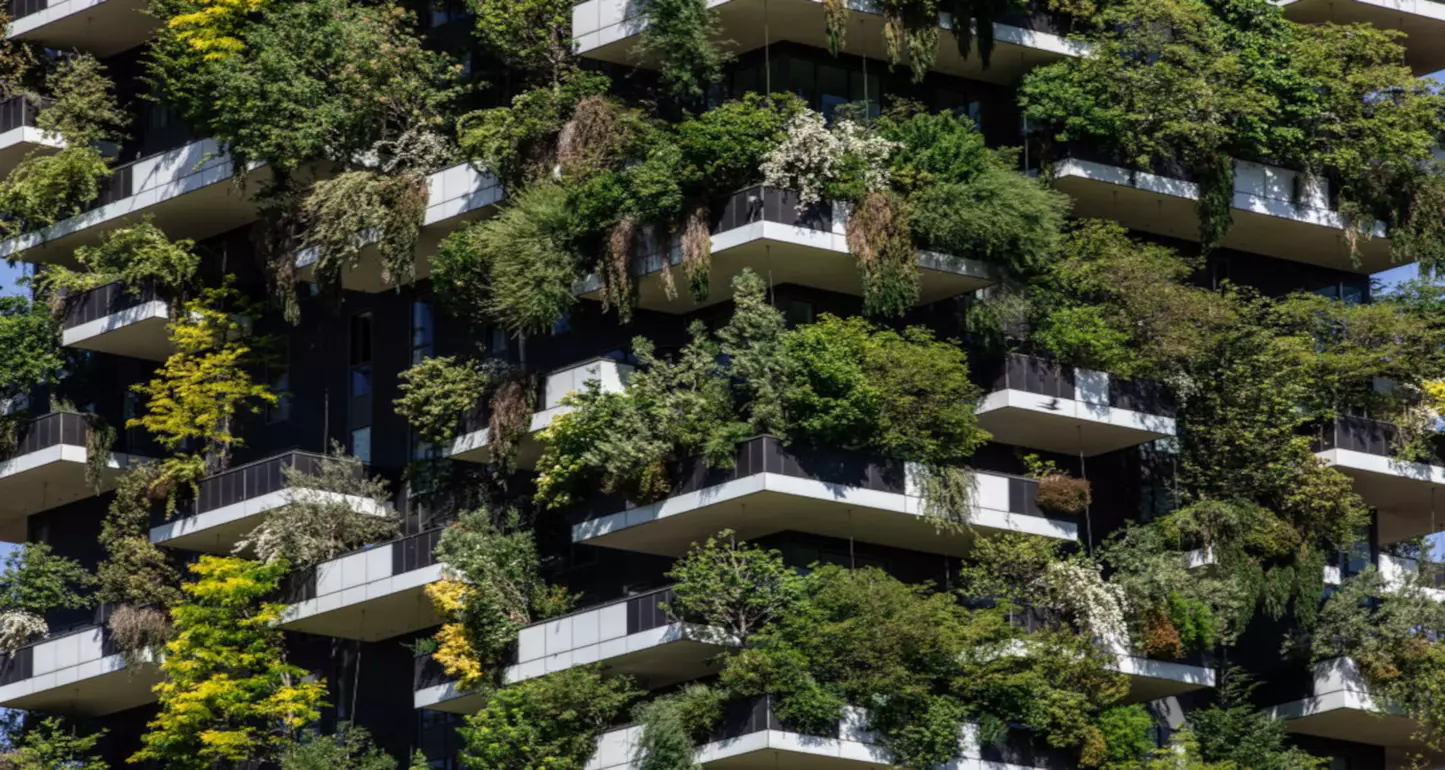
(349, 748)
(551, 721)
(33, 582)
(30, 352)
(51, 745)
(229, 695)
(734, 587)
(199, 393)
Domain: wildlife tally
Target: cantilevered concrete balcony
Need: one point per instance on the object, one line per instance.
(230, 504)
(475, 443)
(1277, 212)
(1408, 496)
(374, 593)
(751, 736)
(455, 195)
(762, 229)
(19, 136)
(1422, 21)
(114, 319)
(1337, 703)
(79, 673)
(101, 27)
(1036, 403)
(837, 493)
(609, 30)
(188, 192)
(48, 468)
(632, 636)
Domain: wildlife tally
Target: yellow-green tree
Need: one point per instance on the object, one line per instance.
(201, 390)
(229, 695)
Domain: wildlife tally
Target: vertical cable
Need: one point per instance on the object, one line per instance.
(1088, 509)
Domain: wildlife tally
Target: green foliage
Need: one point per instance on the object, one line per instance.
(551, 721)
(48, 187)
(135, 571)
(315, 525)
(437, 392)
(524, 252)
(1232, 730)
(136, 256)
(229, 695)
(358, 210)
(665, 743)
(349, 748)
(533, 37)
(734, 587)
(681, 35)
(201, 390)
(320, 80)
(724, 146)
(1127, 732)
(50, 744)
(36, 580)
(30, 353)
(83, 109)
(518, 142)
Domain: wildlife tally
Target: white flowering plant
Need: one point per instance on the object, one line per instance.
(815, 158)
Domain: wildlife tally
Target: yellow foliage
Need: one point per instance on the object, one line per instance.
(448, 596)
(1435, 395)
(457, 655)
(212, 30)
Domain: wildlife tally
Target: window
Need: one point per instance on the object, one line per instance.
(361, 339)
(278, 378)
(423, 332)
(799, 312)
(361, 444)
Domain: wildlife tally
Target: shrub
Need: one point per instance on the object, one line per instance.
(349, 748)
(36, 580)
(734, 587)
(48, 187)
(139, 631)
(550, 721)
(1062, 493)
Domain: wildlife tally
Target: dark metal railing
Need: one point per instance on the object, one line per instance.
(768, 454)
(102, 301)
(761, 203)
(21, 8)
(248, 481)
(1362, 434)
(16, 113)
(1046, 377)
(48, 430)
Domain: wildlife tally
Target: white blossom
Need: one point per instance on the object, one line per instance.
(1078, 590)
(19, 627)
(812, 156)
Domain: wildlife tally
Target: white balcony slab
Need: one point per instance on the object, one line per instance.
(1151, 679)
(1269, 218)
(1340, 706)
(1066, 425)
(101, 27)
(16, 143)
(136, 332)
(787, 254)
(455, 195)
(1405, 494)
(189, 192)
(611, 376)
(72, 675)
(609, 30)
(360, 596)
(218, 530)
(1422, 21)
(47, 478)
(765, 503)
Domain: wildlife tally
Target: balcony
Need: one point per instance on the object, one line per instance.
(18, 134)
(78, 673)
(1277, 212)
(751, 736)
(609, 30)
(1036, 403)
(112, 319)
(632, 636)
(1337, 704)
(1422, 21)
(228, 505)
(375, 593)
(762, 229)
(474, 444)
(101, 27)
(837, 493)
(48, 468)
(455, 195)
(1405, 494)
(187, 192)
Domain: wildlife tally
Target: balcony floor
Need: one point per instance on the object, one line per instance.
(1066, 426)
(96, 688)
(370, 612)
(101, 27)
(16, 143)
(1410, 497)
(766, 503)
(45, 479)
(138, 332)
(218, 530)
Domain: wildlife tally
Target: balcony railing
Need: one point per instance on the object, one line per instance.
(21, 8)
(54, 429)
(19, 664)
(1362, 434)
(248, 481)
(112, 298)
(768, 454)
(408, 553)
(18, 112)
(1042, 376)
